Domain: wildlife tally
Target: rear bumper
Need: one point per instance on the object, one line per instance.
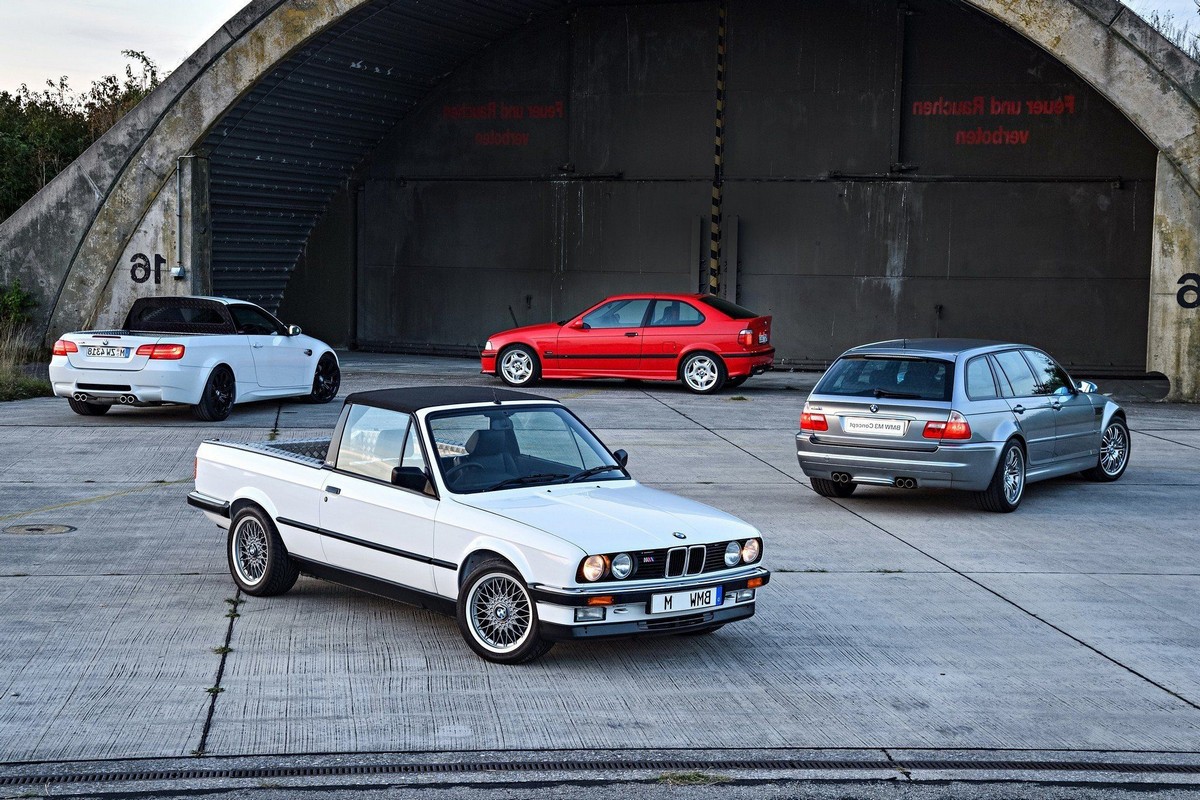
(969, 466)
(169, 383)
(752, 363)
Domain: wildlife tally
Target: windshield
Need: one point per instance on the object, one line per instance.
(896, 378)
(482, 450)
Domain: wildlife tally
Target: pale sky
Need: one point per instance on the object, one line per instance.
(83, 39)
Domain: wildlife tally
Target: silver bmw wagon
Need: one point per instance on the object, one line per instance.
(986, 417)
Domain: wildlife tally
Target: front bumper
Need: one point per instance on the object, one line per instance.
(967, 466)
(487, 362)
(629, 612)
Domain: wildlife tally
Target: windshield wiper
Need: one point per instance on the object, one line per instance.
(521, 480)
(897, 395)
(587, 473)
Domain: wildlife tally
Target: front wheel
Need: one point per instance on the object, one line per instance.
(258, 561)
(220, 391)
(326, 380)
(497, 616)
(85, 409)
(1114, 453)
(1007, 488)
(703, 373)
(519, 366)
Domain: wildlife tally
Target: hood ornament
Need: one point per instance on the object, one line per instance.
(679, 535)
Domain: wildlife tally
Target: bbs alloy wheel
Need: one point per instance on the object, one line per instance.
(497, 615)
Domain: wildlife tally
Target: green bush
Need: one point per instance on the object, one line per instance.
(15, 305)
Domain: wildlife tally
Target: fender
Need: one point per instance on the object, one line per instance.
(259, 498)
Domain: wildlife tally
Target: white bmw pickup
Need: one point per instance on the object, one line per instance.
(495, 506)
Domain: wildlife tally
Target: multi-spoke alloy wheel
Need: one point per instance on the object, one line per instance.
(497, 615)
(326, 380)
(220, 393)
(703, 373)
(1014, 475)
(518, 366)
(1115, 447)
(258, 561)
(1007, 486)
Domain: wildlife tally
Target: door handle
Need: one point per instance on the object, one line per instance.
(307, 352)
(1018, 409)
(1056, 405)
(257, 346)
(333, 490)
(631, 333)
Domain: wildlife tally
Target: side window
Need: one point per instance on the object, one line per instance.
(373, 442)
(618, 314)
(1052, 379)
(253, 321)
(980, 383)
(413, 456)
(1019, 375)
(674, 313)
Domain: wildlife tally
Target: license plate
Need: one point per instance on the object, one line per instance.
(107, 352)
(874, 426)
(686, 601)
(763, 338)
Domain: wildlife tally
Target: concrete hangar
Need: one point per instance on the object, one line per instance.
(412, 175)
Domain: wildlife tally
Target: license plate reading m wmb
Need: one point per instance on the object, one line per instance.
(686, 601)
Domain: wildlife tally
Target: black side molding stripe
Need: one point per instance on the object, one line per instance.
(205, 503)
(291, 523)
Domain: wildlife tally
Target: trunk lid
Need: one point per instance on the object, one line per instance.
(110, 350)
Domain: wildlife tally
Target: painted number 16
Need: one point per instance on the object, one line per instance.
(139, 268)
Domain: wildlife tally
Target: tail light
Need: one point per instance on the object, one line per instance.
(956, 427)
(63, 346)
(168, 352)
(746, 337)
(812, 421)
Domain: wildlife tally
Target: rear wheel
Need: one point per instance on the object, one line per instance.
(1114, 453)
(216, 403)
(258, 561)
(1007, 488)
(703, 373)
(497, 616)
(519, 366)
(86, 409)
(326, 380)
(828, 488)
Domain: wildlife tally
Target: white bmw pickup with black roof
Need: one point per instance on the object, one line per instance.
(496, 506)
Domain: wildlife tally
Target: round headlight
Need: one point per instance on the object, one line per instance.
(594, 567)
(733, 554)
(751, 550)
(622, 565)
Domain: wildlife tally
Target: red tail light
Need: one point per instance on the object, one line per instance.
(62, 347)
(746, 337)
(812, 421)
(168, 352)
(956, 427)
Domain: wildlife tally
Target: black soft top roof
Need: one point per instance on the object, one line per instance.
(419, 397)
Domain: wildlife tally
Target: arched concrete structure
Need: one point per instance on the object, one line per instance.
(132, 187)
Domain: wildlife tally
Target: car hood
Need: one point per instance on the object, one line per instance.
(541, 329)
(611, 516)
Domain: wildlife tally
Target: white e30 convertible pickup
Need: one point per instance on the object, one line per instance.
(499, 507)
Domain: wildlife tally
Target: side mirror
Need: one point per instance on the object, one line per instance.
(412, 478)
(1087, 387)
(293, 330)
(580, 325)
(622, 457)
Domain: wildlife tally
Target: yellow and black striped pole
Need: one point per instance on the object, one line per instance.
(714, 246)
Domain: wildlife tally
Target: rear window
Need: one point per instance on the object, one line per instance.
(177, 315)
(899, 378)
(731, 310)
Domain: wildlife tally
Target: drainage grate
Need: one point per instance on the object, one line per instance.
(609, 766)
(43, 529)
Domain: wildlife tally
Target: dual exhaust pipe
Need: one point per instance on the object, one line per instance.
(899, 483)
(125, 399)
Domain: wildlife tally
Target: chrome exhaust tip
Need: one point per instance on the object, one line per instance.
(128, 399)
(80, 396)
(840, 477)
(906, 483)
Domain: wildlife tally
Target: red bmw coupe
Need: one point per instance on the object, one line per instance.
(699, 339)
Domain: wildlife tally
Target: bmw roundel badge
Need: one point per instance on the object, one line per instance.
(874, 408)
(679, 535)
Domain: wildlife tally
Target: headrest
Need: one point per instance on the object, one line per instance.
(486, 443)
(389, 443)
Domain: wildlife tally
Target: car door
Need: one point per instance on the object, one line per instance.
(1032, 411)
(606, 340)
(670, 326)
(1076, 425)
(280, 361)
(368, 525)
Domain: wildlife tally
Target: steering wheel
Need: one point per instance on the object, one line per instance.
(453, 474)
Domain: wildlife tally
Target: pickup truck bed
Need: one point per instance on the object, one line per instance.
(310, 452)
